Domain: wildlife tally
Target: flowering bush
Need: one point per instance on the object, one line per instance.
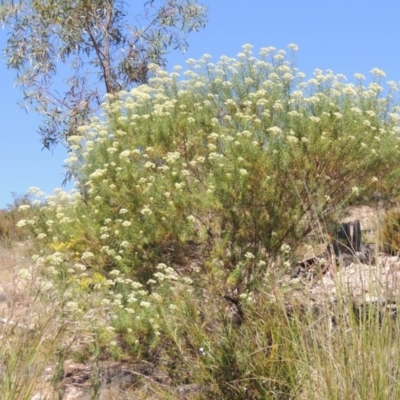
(245, 153)
(219, 165)
(243, 150)
(239, 156)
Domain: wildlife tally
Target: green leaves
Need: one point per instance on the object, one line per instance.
(224, 156)
(93, 47)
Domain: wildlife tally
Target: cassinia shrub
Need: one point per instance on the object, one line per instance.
(243, 155)
(187, 188)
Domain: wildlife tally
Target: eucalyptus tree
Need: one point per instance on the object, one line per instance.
(98, 46)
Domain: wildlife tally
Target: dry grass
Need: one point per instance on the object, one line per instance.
(28, 330)
(13, 297)
(327, 357)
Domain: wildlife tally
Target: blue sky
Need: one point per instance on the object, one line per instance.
(347, 36)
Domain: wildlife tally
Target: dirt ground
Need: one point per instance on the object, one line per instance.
(360, 282)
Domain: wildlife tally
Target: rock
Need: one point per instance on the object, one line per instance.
(38, 396)
(345, 249)
(76, 393)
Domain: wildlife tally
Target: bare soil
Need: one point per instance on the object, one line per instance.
(359, 282)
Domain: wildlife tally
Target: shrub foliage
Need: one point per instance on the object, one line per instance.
(204, 176)
(244, 154)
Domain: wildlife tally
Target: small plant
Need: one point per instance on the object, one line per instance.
(390, 232)
(9, 217)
